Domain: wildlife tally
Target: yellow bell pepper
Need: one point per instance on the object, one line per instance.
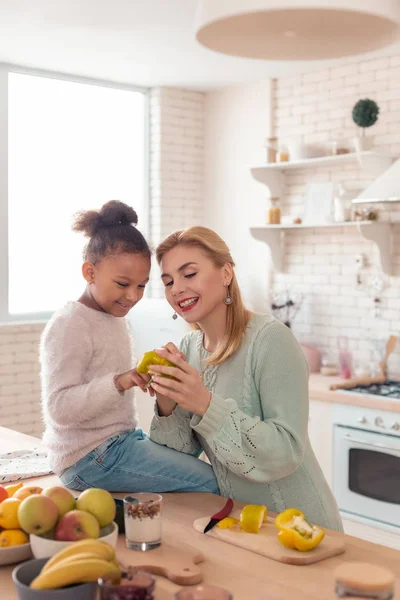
(152, 358)
(295, 532)
(252, 517)
(227, 523)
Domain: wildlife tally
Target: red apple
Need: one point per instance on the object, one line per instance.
(77, 525)
(37, 514)
(62, 497)
(3, 493)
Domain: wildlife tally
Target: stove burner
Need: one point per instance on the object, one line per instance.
(389, 389)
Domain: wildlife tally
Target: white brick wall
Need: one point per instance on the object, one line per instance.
(19, 378)
(176, 163)
(320, 262)
(176, 191)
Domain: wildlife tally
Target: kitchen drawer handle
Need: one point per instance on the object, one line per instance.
(371, 444)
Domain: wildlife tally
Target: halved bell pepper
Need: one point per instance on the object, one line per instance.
(152, 358)
(252, 517)
(295, 532)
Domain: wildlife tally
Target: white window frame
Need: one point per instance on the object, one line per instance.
(5, 69)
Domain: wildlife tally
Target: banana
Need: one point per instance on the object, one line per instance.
(72, 572)
(101, 549)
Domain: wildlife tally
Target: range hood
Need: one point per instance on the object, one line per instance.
(385, 188)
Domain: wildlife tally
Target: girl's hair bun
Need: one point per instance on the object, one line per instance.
(111, 214)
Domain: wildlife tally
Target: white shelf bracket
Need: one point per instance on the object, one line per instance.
(272, 179)
(381, 235)
(275, 238)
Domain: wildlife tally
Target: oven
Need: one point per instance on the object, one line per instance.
(366, 469)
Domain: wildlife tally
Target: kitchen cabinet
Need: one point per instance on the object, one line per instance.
(320, 431)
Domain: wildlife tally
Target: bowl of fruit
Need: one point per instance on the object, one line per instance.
(54, 519)
(14, 542)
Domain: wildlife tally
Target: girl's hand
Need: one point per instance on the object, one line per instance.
(188, 391)
(132, 378)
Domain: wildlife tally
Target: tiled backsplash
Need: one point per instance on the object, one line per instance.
(320, 263)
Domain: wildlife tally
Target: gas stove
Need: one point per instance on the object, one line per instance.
(388, 389)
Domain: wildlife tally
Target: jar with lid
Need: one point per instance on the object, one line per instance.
(364, 580)
(271, 149)
(274, 212)
(283, 153)
(342, 204)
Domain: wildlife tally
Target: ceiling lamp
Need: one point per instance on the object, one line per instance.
(297, 29)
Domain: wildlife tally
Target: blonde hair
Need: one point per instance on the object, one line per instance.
(219, 254)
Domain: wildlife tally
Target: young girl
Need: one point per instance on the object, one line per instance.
(87, 377)
(241, 395)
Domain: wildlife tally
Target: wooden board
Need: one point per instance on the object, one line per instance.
(266, 543)
(176, 563)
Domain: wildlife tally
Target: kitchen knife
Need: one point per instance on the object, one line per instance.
(224, 512)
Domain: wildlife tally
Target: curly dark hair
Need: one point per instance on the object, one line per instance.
(111, 230)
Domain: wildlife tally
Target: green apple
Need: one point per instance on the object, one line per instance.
(62, 497)
(98, 503)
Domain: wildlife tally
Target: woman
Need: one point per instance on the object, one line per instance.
(240, 391)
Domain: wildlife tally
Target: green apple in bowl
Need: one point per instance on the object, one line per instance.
(98, 503)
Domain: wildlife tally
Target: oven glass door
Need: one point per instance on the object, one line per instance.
(367, 474)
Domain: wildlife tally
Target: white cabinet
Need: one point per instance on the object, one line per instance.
(320, 431)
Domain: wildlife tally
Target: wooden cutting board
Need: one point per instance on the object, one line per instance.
(176, 564)
(266, 543)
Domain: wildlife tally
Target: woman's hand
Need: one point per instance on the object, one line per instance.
(188, 391)
(132, 378)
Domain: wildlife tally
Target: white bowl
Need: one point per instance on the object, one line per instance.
(43, 547)
(15, 554)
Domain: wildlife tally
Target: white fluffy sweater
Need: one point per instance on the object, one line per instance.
(81, 351)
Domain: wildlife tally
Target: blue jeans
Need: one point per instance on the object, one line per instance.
(131, 462)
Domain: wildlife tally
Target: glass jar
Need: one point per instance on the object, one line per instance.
(134, 585)
(271, 149)
(274, 212)
(342, 205)
(364, 580)
(283, 153)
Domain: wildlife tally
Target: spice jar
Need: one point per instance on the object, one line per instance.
(271, 149)
(282, 154)
(274, 213)
(363, 580)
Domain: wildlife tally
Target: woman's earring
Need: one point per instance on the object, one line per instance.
(174, 316)
(228, 299)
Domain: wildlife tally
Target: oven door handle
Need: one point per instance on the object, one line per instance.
(371, 444)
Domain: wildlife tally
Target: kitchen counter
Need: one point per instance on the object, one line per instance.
(248, 576)
(319, 390)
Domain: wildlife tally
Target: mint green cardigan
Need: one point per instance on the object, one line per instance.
(255, 429)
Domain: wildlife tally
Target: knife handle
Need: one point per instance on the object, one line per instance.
(225, 511)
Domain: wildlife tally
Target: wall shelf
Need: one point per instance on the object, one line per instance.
(378, 232)
(272, 174)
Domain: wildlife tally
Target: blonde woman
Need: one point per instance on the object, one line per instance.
(240, 391)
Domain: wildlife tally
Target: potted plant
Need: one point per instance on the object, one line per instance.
(365, 114)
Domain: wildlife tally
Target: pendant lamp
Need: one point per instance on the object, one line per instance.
(297, 29)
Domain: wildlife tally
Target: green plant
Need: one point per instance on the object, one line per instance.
(365, 113)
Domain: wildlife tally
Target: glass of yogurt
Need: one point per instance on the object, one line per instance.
(142, 515)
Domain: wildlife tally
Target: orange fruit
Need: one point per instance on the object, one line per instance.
(12, 537)
(26, 491)
(11, 489)
(9, 513)
(3, 493)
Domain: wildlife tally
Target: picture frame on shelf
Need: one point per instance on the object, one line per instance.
(318, 203)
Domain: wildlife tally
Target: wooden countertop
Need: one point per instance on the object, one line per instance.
(247, 575)
(319, 390)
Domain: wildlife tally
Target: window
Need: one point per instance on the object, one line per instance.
(71, 146)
